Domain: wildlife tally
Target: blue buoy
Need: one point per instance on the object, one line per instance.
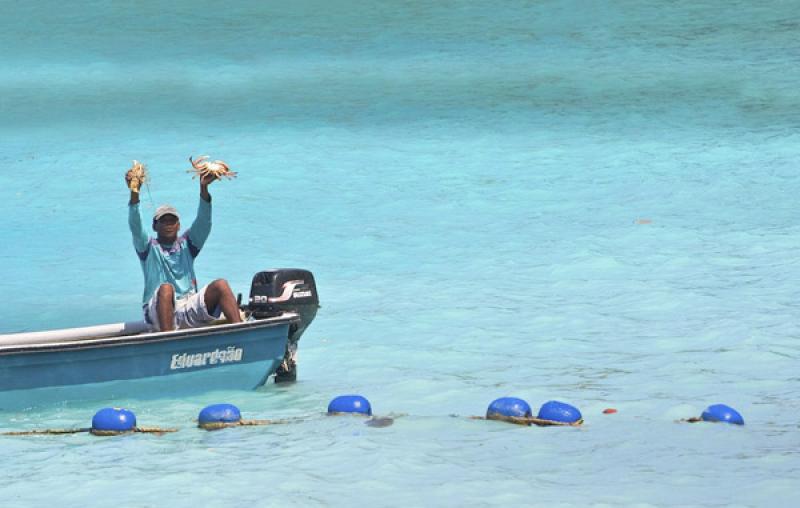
(556, 411)
(722, 413)
(113, 420)
(219, 415)
(350, 404)
(505, 407)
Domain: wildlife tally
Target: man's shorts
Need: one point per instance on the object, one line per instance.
(190, 311)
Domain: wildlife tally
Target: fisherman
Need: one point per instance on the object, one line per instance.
(171, 297)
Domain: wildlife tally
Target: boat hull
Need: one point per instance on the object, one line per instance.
(235, 356)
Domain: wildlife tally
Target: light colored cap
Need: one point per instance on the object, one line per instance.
(165, 210)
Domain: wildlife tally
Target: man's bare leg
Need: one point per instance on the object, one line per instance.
(165, 307)
(219, 293)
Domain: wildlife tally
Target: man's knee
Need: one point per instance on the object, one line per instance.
(166, 293)
(220, 288)
(221, 284)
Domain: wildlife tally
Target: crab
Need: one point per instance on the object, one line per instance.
(203, 167)
(136, 176)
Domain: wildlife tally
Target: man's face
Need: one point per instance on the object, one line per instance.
(167, 228)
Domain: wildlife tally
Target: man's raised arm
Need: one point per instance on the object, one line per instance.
(140, 236)
(201, 227)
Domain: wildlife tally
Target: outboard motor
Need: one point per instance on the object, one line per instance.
(274, 292)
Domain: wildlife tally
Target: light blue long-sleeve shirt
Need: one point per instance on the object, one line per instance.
(173, 264)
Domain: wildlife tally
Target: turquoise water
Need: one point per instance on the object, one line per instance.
(469, 183)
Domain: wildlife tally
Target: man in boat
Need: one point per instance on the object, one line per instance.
(171, 297)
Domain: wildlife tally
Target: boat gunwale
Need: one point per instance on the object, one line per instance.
(147, 338)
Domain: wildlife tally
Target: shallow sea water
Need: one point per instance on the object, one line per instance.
(468, 184)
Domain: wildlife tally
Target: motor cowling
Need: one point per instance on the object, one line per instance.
(274, 292)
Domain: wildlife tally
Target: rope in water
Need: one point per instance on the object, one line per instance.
(245, 423)
(545, 423)
(116, 421)
(44, 431)
(530, 420)
(96, 432)
(240, 423)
